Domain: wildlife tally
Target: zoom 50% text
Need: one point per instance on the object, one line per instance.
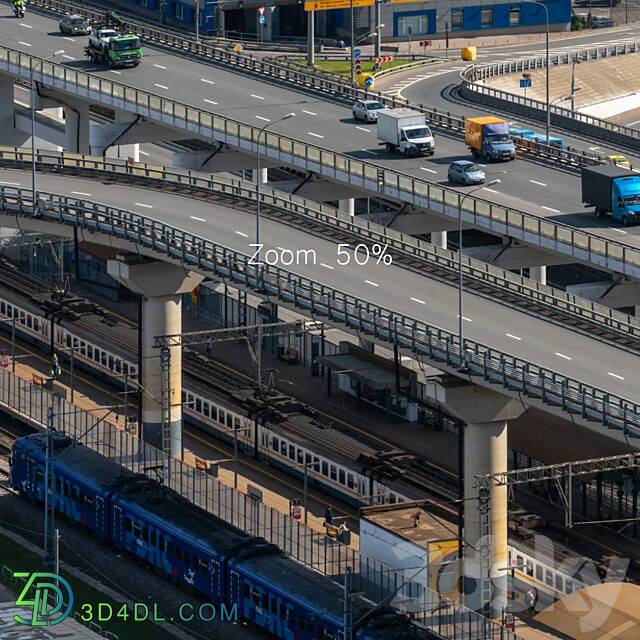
(346, 254)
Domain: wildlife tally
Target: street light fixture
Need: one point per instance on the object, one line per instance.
(573, 84)
(262, 130)
(546, 9)
(33, 125)
(460, 287)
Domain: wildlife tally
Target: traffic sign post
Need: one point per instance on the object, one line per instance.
(295, 510)
(358, 68)
(524, 83)
(4, 359)
(357, 53)
(368, 82)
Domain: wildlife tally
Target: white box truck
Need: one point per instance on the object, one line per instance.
(406, 131)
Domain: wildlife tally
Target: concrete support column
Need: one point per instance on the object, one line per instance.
(539, 274)
(439, 238)
(77, 127)
(486, 414)
(6, 104)
(124, 151)
(347, 206)
(161, 285)
(264, 175)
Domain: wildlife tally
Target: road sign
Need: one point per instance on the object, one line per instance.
(358, 67)
(509, 621)
(132, 427)
(425, 43)
(357, 53)
(368, 81)
(296, 512)
(238, 47)
(525, 82)
(383, 59)
(4, 360)
(261, 19)
(322, 5)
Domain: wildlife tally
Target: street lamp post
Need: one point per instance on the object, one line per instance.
(573, 84)
(33, 124)
(460, 287)
(371, 34)
(262, 130)
(544, 6)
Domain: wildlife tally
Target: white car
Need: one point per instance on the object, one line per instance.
(367, 110)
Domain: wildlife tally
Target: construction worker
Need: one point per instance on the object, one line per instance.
(56, 371)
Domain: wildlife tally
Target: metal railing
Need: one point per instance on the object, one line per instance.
(553, 236)
(408, 250)
(493, 368)
(369, 577)
(473, 82)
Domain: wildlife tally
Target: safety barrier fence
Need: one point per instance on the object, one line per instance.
(491, 367)
(373, 178)
(406, 248)
(369, 577)
(7, 576)
(474, 78)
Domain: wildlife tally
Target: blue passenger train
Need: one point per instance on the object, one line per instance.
(246, 575)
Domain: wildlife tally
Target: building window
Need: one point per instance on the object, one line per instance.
(143, 3)
(487, 17)
(457, 19)
(178, 11)
(413, 25)
(515, 15)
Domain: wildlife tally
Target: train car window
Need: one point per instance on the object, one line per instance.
(57, 485)
(28, 322)
(74, 492)
(256, 597)
(103, 358)
(128, 525)
(178, 552)
(89, 352)
(292, 452)
(275, 444)
(325, 468)
(236, 423)
(66, 489)
(136, 529)
(214, 413)
(82, 499)
(307, 458)
(36, 324)
(221, 417)
(246, 591)
(559, 582)
(283, 447)
(110, 363)
(519, 561)
(333, 474)
(83, 347)
(265, 601)
(316, 463)
(273, 605)
(205, 409)
(169, 547)
(198, 405)
(300, 458)
(538, 572)
(529, 567)
(184, 396)
(3, 308)
(392, 498)
(68, 340)
(152, 538)
(549, 577)
(568, 586)
(125, 368)
(341, 476)
(204, 567)
(283, 611)
(187, 557)
(310, 626)
(161, 543)
(117, 363)
(229, 421)
(195, 562)
(320, 632)
(301, 621)
(145, 534)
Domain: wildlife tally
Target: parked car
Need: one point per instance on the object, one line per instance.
(619, 161)
(465, 172)
(601, 21)
(74, 25)
(367, 110)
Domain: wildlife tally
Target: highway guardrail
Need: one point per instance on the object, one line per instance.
(539, 386)
(554, 305)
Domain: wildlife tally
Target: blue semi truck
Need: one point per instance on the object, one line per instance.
(614, 190)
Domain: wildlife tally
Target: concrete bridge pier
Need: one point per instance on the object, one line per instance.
(347, 206)
(487, 415)
(439, 238)
(77, 126)
(161, 286)
(539, 274)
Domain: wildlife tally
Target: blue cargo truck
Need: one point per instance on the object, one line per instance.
(488, 138)
(614, 190)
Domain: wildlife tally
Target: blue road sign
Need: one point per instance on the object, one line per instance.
(368, 81)
(357, 52)
(525, 82)
(261, 19)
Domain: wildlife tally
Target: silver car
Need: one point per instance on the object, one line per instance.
(465, 172)
(367, 110)
(74, 25)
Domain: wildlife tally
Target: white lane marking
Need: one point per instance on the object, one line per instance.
(593, 148)
(253, 95)
(159, 66)
(198, 219)
(429, 170)
(464, 318)
(13, 184)
(144, 153)
(265, 119)
(373, 153)
(207, 81)
(550, 209)
(326, 266)
(418, 300)
(618, 230)
(64, 55)
(118, 73)
(244, 235)
(27, 26)
(614, 375)
(373, 284)
(160, 86)
(490, 190)
(315, 135)
(309, 113)
(209, 101)
(561, 355)
(632, 123)
(510, 335)
(26, 44)
(141, 204)
(542, 184)
(81, 193)
(363, 129)
(67, 38)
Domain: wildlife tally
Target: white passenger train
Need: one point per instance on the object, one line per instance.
(336, 470)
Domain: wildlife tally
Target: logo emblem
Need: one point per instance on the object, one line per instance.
(44, 608)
